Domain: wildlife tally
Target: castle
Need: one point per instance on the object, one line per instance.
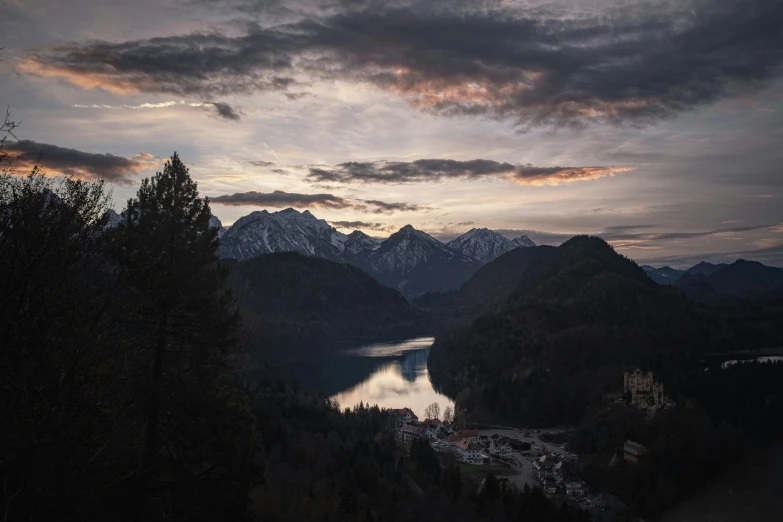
(645, 392)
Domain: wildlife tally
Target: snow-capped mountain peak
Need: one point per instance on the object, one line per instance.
(482, 244)
(288, 230)
(524, 241)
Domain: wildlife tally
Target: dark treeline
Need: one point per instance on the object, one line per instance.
(119, 347)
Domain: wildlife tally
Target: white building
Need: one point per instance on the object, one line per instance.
(404, 416)
(469, 452)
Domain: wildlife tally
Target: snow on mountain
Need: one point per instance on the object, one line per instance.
(359, 246)
(214, 222)
(524, 241)
(409, 260)
(288, 230)
(415, 263)
(483, 245)
(405, 249)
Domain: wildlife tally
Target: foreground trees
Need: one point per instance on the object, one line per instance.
(116, 352)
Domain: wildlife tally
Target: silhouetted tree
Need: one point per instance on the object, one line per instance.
(187, 317)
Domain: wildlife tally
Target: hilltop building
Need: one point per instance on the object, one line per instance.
(644, 391)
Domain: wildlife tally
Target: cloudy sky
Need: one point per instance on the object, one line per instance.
(656, 124)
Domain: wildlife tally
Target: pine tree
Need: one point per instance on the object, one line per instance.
(186, 313)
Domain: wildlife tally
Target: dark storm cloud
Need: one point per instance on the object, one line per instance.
(279, 198)
(294, 96)
(533, 66)
(626, 233)
(539, 237)
(428, 170)
(26, 154)
(360, 224)
(389, 208)
(225, 111)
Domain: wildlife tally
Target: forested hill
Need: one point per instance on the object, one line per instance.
(287, 298)
(564, 324)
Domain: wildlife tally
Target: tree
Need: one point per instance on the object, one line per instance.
(432, 411)
(64, 403)
(448, 415)
(188, 319)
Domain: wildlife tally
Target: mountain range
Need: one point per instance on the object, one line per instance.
(707, 282)
(411, 261)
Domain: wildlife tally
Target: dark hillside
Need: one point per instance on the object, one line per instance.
(287, 298)
(562, 337)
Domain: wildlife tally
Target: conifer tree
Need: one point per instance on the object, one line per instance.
(187, 314)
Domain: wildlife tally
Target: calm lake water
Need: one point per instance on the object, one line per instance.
(389, 374)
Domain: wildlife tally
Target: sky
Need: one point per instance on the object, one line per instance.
(654, 124)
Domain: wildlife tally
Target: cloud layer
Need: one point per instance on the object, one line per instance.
(26, 154)
(634, 63)
(279, 199)
(430, 170)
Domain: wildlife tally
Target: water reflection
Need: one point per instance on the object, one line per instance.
(401, 383)
(389, 374)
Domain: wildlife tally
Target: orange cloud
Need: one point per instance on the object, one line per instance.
(540, 176)
(24, 155)
(108, 80)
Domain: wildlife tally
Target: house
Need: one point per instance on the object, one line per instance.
(543, 468)
(404, 416)
(574, 488)
(412, 431)
(471, 435)
(499, 447)
(550, 486)
(434, 427)
(469, 452)
(633, 451)
(644, 391)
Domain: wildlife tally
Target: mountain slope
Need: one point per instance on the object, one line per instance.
(524, 241)
(415, 263)
(665, 275)
(284, 231)
(482, 244)
(748, 280)
(287, 298)
(577, 315)
(704, 268)
(358, 247)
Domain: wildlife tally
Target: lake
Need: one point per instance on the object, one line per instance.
(391, 374)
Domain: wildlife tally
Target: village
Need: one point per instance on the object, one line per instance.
(522, 457)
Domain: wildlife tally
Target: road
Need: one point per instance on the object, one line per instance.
(524, 462)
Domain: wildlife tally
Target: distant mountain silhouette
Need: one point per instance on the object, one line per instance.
(665, 275)
(704, 268)
(748, 280)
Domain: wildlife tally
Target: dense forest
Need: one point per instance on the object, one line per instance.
(555, 330)
(287, 299)
(556, 327)
(121, 399)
